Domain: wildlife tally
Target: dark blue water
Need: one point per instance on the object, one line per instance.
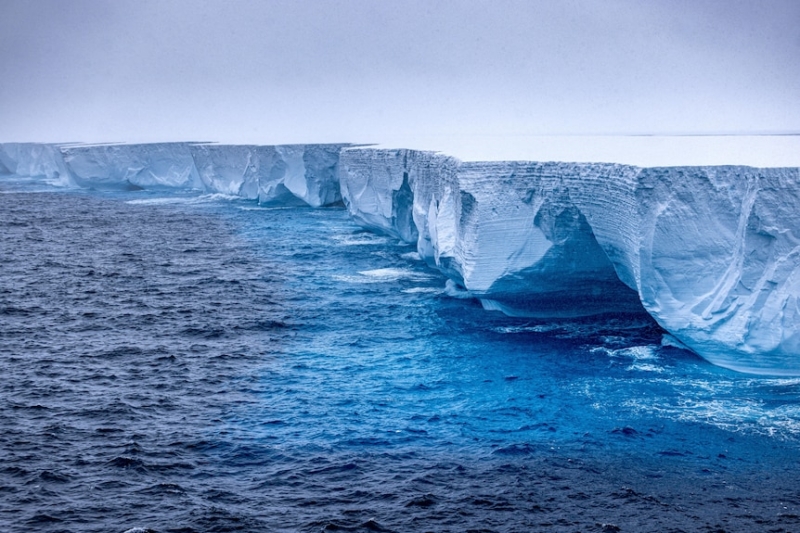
(185, 363)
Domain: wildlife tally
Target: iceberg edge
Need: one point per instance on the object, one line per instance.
(712, 253)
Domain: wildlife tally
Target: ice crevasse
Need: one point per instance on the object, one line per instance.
(712, 253)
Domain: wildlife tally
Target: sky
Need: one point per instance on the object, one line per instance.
(381, 71)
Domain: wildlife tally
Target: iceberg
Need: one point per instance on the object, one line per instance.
(507, 232)
(36, 161)
(376, 188)
(274, 175)
(307, 172)
(132, 166)
(712, 253)
(232, 170)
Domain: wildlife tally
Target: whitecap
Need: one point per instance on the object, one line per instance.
(645, 367)
(359, 239)
(191, 200)
(527, 329)
(412, 256)
(638, 353)
(160, 201)
(265, 208)
(394, 274)
(383, 275)
(422, 290)
(452, 290)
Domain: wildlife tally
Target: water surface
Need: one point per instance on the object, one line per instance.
(197, 363)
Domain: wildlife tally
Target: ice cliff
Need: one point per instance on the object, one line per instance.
(712, 253)
(290, 174)
(34, 161)
(133, 166)
(282, 175)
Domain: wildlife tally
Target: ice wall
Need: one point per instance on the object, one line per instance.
(308, 172)
(275, 175)
(232, 170)
(712, 253)
(376, 188)
(133, 166)
(33, 160)
(506, 231)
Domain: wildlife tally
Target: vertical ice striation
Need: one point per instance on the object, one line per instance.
(235, 170)
(302, 174)
(168, 165)
(321, 174)
(391, 191)
(508, 231)
(526, 246)
(714, 253)
(375, 186)
(275, 175)
(34, 160)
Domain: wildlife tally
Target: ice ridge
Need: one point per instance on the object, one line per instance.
(711, 253)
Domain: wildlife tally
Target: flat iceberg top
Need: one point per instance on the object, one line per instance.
(639, 150)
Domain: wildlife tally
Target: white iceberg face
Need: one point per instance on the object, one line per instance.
(712, 253)
(526, 245)
(232, 169)
(275, 175)
(507, 232)
(167, 165)
(375, 187)
(301, 175)
(321, 175)
(32, 160)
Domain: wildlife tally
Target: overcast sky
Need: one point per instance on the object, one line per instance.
(365, 71)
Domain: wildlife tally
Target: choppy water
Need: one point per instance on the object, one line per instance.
(195, 363)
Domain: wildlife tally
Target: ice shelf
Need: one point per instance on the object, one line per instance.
(712, 253)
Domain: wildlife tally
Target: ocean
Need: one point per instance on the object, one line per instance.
(180, 362)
